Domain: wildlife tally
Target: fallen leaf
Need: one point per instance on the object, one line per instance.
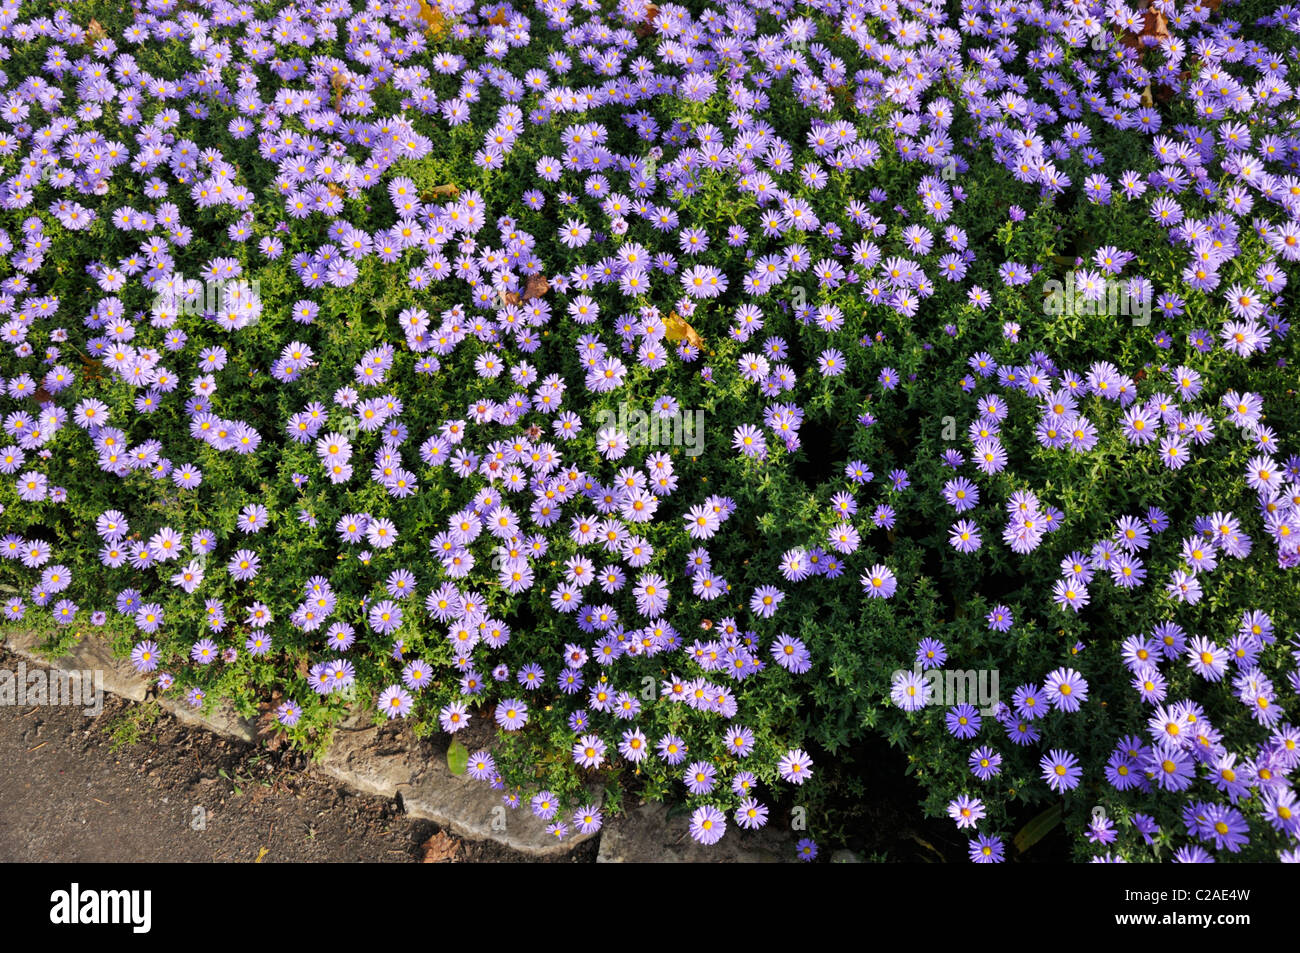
(498, 18)
(1154, 24)
(536, 287)
(262, 853)
(433, 19)
(268, 730)
(95, 30)
(647, 26)
(93, 368)
(448, 191)
(1037, 828)
(679, 329)
(441, 848)
(457, 758)
(926, 844)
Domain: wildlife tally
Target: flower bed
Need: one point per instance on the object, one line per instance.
(694, 392)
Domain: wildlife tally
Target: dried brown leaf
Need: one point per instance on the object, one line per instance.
(647, 26)
(268, 729)
(441, 848)
(92, 368)
(447, 191)
(679, 328)
(434, 21)
(1154, 24)
(536, 287)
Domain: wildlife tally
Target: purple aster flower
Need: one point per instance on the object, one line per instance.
(672, 750)
(795, 766)
(589, 751)
(966, 811)
(708, 824)
(879, 582)
(481, 766)
(791, 654)
(700, 777)
(765, 601)
(986, 849)
(512, 714)
(985, 763)
(963, 721)
(395, 702)
(587, 819)
(288, 713)
(1066, 689)
(1061, 770)
(910, 690)
(964, 536)
(252, 518)
(931, 653)
(1000, 619)
(144, 656)
(751, 814)
(417, 674)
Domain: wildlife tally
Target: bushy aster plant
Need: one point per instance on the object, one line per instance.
(688, 392)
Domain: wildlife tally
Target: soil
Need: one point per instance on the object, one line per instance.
(133, 785)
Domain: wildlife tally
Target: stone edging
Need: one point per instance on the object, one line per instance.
(358, 759)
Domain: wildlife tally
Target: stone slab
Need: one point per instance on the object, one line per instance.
(359, 758)
(90, 654)
(221, 719)
(363, 760)
(645, 835)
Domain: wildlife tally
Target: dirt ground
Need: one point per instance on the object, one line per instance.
(134, 785)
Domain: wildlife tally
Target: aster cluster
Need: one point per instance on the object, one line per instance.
(389, 265)
(1184, 743)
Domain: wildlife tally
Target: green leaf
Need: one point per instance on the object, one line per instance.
(457, 758)
(1037, 829)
